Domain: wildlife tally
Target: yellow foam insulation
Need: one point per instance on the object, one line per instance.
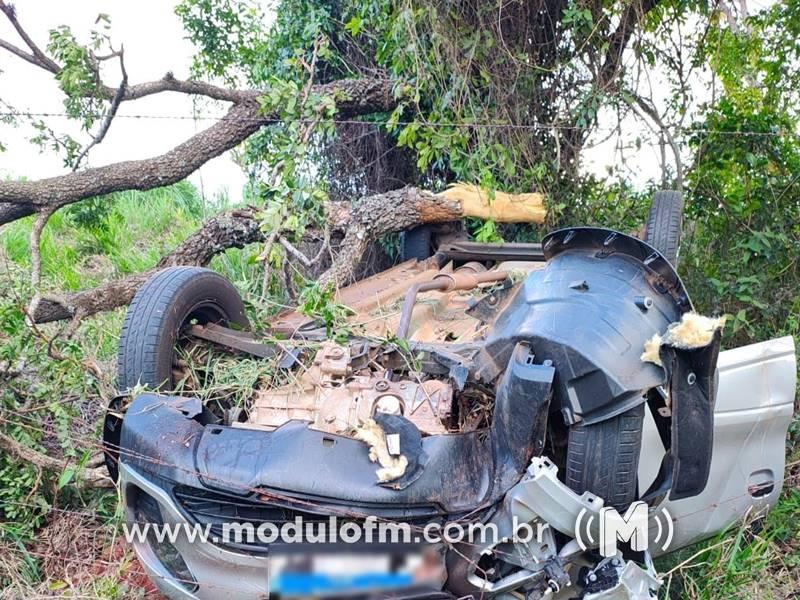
(692, 331)
(651, 348)
(503, 208)
(392, 467)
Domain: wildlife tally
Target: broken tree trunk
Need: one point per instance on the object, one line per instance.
(380, 214)
(497, 206)
(402, 209)
(362, 224)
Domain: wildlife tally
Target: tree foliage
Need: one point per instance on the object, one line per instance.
(506, 95)
(745, 180)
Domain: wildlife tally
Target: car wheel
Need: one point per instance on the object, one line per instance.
(664, 223)
(417, 242)
(603, 458)
(166, 304)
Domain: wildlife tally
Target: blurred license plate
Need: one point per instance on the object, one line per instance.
(315, 575)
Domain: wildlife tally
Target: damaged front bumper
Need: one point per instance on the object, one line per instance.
(186, 568)
(174, 470)
(203, 570)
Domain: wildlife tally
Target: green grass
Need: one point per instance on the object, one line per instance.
(125, 233)
(82, 247)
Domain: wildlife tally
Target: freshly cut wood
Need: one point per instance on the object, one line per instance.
(502, 208)
(361, 223)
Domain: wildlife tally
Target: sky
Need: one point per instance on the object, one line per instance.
(154, 44)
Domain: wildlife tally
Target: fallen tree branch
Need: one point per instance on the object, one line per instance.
(20, 52)
(241, 121)
(298, 254)
(371, 217)
(354, 97)
(232, 229)
(362, 224)
(40, 59)
(168, 83)
(304, 260)
(390, 212)
(35, 241)
(304, 134)
(12, 212)
(22, 198)
(89, 478)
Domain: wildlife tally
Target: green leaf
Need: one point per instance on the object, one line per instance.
(354, 25)
(66, 477)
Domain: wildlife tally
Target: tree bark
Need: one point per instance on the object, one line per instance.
(12, 212)
(377, 215)
(232, 229)
(362, 223)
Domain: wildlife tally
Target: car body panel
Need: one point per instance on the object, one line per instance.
(220, 573)
(753, 411)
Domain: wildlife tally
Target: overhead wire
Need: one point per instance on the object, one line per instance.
(423, 124)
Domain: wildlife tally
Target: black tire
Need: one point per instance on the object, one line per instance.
(604, 458)
(664, 223)
(168, 301)
(417, 243)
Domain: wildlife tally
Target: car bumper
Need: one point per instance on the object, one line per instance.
(218, 572)
(213, 570)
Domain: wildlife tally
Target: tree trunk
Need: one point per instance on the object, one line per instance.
(363, 223)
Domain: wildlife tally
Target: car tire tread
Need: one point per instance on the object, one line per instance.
(603, 458)
(664, 224)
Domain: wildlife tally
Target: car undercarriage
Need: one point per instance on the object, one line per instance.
(537, 384)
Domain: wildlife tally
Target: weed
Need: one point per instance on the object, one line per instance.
(320, 303)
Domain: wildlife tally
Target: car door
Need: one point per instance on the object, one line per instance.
(754, 407)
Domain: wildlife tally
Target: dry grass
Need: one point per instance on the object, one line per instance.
(75, 556)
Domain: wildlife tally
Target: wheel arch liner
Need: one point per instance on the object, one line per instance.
(600, 297)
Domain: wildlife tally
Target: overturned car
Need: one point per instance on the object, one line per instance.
(550, 386)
